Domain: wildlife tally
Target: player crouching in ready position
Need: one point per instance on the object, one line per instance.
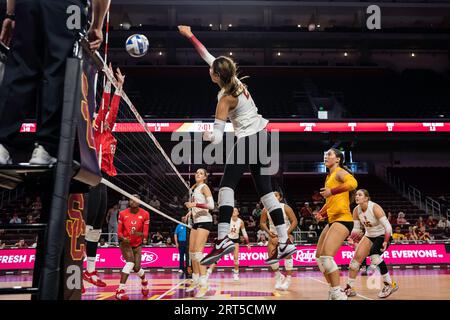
(132, 231)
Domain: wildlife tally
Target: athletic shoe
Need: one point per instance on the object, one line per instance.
(388, 289)
(338, 295)
(286, 283)
(221, 248)
(4, 156)
(201, 292)
(121, 295)
(235, 276)
(281, 252)
(349, 291)
(144, 289)
(41, 157)
(192, 286)
(279, 281)
(89, 277)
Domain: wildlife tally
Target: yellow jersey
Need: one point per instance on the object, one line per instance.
(338, 205)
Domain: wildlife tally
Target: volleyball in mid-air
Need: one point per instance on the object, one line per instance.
(137, 45)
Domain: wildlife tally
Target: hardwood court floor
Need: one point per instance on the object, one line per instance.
(414, 284)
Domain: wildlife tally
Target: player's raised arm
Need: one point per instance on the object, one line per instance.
(202, 51)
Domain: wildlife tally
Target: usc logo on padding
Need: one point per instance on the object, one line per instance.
(75, 225)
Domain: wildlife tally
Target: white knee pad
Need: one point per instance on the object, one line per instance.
(320, 265)
(270, 202)
(91, 234)
(289, 264)
(329, 264)
(226, 197)
(128, 267)
(375, 260)
(141, 272)
(198, 256)
(354, 265)
(191, 256)
(275, 266)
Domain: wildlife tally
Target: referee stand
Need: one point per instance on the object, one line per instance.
(57, 272)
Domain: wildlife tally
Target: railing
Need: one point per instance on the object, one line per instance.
(303, 236)
(415, 196)
(6, 196)
(431, 206)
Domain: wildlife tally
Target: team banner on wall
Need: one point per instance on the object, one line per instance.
(168, 257)
(281, 127)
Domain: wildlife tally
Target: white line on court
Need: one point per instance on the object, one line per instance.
(359, 295)
(171, 289)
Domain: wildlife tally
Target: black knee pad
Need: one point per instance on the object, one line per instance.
(383, 267)
(277, 216)
(91, 248)
(225, 213)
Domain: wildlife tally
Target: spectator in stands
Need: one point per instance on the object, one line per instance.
(176, 205)
(316, 197)
(2, 244)
(262, 240)
(392, 220)
(260, 232)
(420, 223)
(169, 242)
(30, 219)
(398, 235)
(113, 222)
(256, 213)
(307, 214)
(155, 202)
(215, 219)
(102, 243)
(34, 245)
(36, 215)
(157, 238)
(15, 219)
(431, 223)
(251, 223)
(123, 204)
(423, 235)
(37, 204)
(401, 218)
(413, 233)
(443, 223)
(21, 244)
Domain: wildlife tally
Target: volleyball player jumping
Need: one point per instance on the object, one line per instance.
(375, 241)
(105, 144)
(236, 103)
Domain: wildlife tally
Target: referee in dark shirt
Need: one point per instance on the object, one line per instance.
(40, 41)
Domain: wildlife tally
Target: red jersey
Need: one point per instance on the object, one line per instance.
(129, 223)
(103, 125)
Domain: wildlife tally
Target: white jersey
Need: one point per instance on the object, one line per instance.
(245, 117)
(372, 225)
(235, 226)
(285, 217)
(200, 214)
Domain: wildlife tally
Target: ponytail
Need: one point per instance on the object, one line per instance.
(341, 157)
